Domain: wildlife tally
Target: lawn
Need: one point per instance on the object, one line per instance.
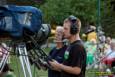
(15, 64)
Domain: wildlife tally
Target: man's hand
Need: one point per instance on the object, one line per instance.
(55, 65)
(60, 67)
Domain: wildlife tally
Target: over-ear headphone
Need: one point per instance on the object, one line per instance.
(74, 27)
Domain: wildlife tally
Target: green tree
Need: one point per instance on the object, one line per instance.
(55, 11)
(108, 17)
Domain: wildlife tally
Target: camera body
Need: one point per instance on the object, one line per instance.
(15, 19)
(23, 24)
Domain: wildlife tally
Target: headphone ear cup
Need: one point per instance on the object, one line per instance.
(73, 29)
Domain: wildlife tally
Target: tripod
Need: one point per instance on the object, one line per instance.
(24, 60)
(4, 57)
(23, 57)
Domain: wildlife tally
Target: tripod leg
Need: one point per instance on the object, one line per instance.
(24, 59)
(4, 62)
(22, 62)
(4, 59)
(27, 62)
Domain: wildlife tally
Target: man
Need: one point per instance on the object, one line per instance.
(74, 63)
(57, 53)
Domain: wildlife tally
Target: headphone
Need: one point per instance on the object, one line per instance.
(74, 25)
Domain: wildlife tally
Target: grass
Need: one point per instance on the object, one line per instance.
(15, 64)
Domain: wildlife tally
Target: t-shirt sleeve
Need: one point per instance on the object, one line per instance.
(77, 56)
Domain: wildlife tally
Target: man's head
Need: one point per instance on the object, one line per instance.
(71, 26)
(108, 40)
(59, 34)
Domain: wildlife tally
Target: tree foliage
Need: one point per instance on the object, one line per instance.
(108, 18)
(57, 10)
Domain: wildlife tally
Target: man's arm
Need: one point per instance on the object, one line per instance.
(60, 67)
(71, 70)
(76, 63)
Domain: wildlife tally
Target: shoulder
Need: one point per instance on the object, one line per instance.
(78, 45)
(52, 50)
(78, 48)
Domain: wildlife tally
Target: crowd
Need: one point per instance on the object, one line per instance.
(100, 53)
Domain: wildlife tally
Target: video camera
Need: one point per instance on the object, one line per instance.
(24, 23)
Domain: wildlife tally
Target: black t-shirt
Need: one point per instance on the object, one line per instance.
(58, 55)
(76, 58)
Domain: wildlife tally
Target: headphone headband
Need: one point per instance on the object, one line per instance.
(72, 18)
